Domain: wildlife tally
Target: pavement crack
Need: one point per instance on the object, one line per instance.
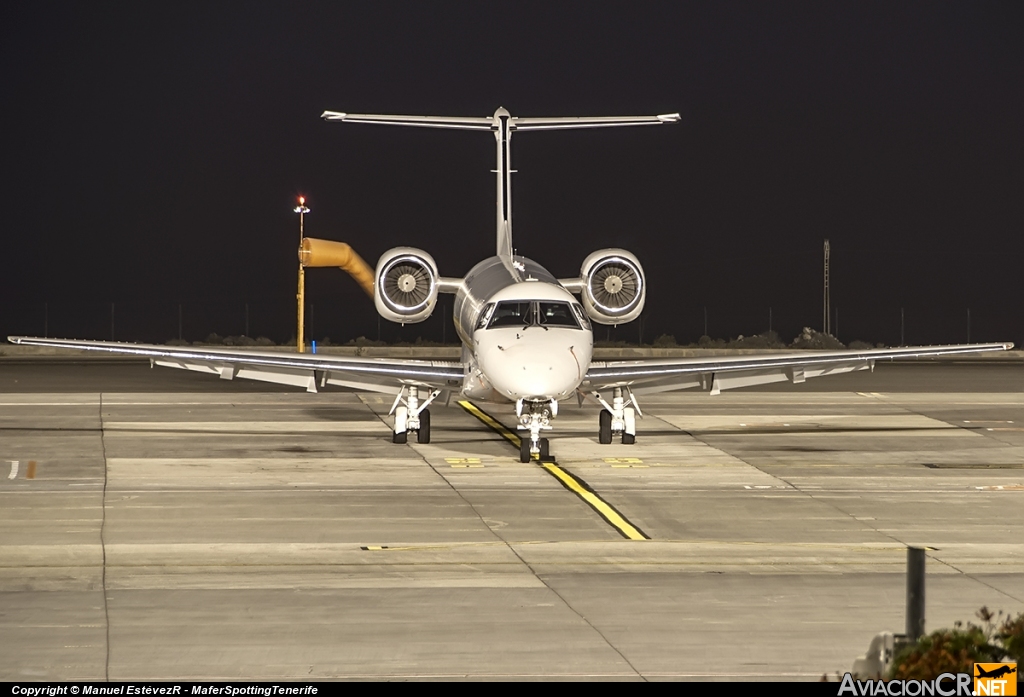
(103, 543)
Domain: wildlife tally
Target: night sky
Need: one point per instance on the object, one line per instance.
(152, 153)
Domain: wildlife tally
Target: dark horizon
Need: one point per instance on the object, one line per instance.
(153, 153)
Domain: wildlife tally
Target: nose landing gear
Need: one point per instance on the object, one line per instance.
(618, 418)
(535, 417)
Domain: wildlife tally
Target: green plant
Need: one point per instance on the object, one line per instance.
(957, 650)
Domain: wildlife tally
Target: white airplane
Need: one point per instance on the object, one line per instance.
(525, 338)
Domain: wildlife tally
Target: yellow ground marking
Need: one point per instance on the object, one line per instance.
(30, 473)
(495, 425)
(462, 460)
(603, 508)
(595, 502)
(623, 460)
(465, 466)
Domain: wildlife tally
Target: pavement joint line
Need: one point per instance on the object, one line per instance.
(571, 482)
(824, 499)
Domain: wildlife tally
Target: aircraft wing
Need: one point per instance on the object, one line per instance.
(305, 370)
(717, 373)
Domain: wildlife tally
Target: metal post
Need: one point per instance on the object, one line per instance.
(968, 325)
(46, 319)
(826, 314)
(179, 322)
(111, 321)
(769, 320)
(902, 341)
(915, 593)
(300, 296)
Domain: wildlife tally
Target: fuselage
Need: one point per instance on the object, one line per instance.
(524, 336)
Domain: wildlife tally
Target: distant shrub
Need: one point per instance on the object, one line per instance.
(811, 339)
(767, 340)
(239, 341)
(860, 345)
(214, 338)
(363, 341)
(665, 341)
(957, 650)
(264, 341)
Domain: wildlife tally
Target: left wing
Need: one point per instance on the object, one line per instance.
(717, 373)
(299, 369)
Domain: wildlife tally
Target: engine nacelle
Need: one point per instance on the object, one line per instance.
(405, 285)
(613, 286)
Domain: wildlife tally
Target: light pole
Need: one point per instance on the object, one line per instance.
(301, 295)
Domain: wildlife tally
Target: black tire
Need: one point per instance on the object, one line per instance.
(524, 450)
(604, 436)
(545, 449)
(400, 437)
(628, 438)
(423, 435)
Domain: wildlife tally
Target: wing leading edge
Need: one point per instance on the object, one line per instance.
(300, 370)
(719, 373)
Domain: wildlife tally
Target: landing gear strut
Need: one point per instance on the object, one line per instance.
(535, 417)
(618, 418)
(412, 415)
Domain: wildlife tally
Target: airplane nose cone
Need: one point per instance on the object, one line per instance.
(527, 371)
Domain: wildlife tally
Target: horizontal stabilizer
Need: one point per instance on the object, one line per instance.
(472, 123)
(561, 123)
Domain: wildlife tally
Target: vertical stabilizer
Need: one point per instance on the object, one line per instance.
(503, 173)
(502, 124)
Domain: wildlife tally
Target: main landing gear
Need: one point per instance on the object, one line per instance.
(618, 418)
(412, 415)
(535, 417)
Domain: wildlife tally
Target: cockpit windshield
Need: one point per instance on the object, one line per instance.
(512, 314)
(557, 315)
(526, 313)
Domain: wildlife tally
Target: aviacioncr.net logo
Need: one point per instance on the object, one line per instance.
(946, 685)
(995, 679)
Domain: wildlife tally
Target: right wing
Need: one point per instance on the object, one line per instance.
(305, 370)
(717, 373)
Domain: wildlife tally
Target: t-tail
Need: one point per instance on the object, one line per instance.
(503, 125)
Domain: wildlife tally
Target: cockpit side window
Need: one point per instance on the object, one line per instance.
(581, 315)
(485, 316)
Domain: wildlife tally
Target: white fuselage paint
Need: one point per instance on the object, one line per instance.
(529, 362)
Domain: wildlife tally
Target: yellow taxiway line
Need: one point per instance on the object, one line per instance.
(569, 481)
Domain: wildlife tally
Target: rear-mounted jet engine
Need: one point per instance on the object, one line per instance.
(405, 285)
